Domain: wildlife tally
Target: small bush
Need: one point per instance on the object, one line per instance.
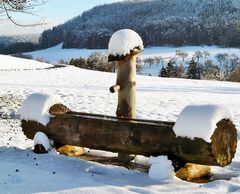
(96, 61)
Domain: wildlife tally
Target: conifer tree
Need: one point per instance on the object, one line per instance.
(163, 72)
(193, 70)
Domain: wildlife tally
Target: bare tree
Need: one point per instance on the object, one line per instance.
(10, 7)
(198, 55)
(206, 54)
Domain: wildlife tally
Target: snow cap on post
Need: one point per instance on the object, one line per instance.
(124, 42)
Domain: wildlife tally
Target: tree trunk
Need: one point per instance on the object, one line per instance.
(130, 136)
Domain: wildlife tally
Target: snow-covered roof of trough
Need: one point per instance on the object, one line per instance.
(123, 42)
(36, 107)
(200, 120)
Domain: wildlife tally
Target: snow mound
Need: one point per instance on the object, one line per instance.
(200, 120)
(123, 41)
(41, 139)
(161, 168)
(36, 107)
(13, 63)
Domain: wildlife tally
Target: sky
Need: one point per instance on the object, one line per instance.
(52, 13)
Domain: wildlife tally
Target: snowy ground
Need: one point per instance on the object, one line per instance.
(24, 172)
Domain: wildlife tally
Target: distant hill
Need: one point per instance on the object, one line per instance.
(19, 43)
(165, 22)
(33, 38)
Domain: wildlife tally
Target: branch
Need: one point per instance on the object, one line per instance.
(22, 6)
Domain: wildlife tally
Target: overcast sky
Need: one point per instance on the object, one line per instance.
(53, 12)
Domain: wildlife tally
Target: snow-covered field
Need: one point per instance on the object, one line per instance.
(24, 172)
(56, 54)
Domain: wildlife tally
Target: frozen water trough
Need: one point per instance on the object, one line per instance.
(202, 135)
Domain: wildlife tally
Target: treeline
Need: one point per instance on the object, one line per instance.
(96, 61)
(224, 67)
(18, 47)
(165, 22)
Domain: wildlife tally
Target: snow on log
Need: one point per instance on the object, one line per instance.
(213, 124)
(200, 120)
(36, 107)
(124, 42)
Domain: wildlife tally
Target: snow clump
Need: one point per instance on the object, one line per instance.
(161, 168)
(200, 120)
(36, 107)
(41, 139)
(123, 41)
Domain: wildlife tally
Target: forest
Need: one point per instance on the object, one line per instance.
(165, 22)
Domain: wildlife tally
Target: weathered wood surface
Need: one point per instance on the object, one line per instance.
(130, 136)
(126, 87)
(191, 172)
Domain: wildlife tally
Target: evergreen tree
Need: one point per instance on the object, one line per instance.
(193, 71)
(170, 70)
(163, 72)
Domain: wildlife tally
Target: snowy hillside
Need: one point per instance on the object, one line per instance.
(10, 63)
(23, 172)
(171, 22)
(19, 38)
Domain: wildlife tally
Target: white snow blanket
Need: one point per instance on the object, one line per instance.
(14, 63)
(87, 91)
(200, 120)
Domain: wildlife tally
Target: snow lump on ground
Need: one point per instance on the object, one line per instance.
(200, 120)
(36, 107)
(41, 139)
(123, 41)
(161, 168)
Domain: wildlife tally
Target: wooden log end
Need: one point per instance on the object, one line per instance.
(69, 150)
(39, 149)
(224, 142)
(191, 172)
(58, 109)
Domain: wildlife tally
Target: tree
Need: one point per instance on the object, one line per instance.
(180, 71)
(206, 54)
(210, 71)
(223, 59)
(163, 72)
(198, 55)
(170, 69)
(8, 7)
(193, 71)
(235, 75)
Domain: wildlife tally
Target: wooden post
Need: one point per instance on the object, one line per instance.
(126, 88)
(126, 84)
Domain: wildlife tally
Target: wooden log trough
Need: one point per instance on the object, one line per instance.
(135, 136)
